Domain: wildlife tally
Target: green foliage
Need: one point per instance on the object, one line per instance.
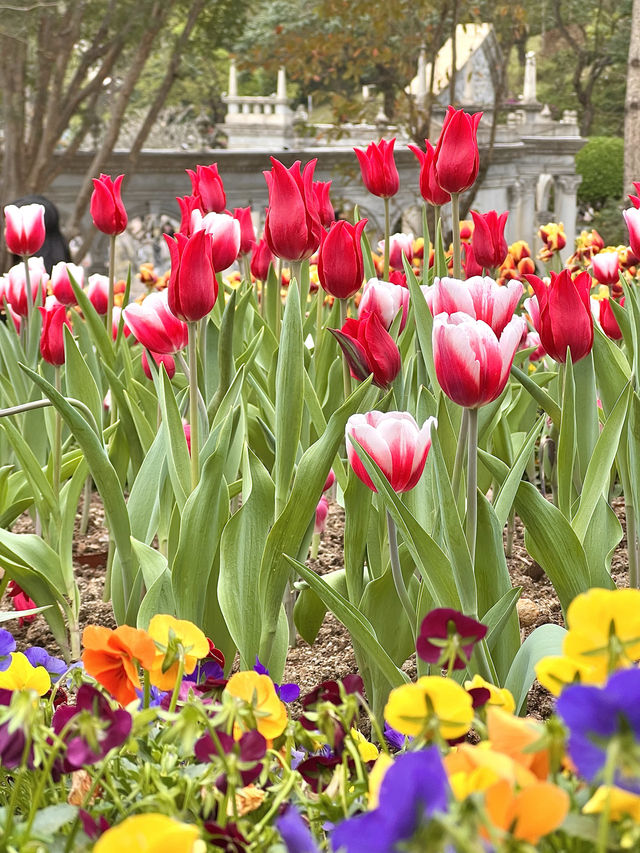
(600, 163)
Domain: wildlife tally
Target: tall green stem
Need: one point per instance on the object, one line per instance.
(319, 315)
(56, 450)
(387, 233)
(346, 370)
(632, 546)
(112, 283)
(455, 229)
(398, 580)
(472, 482)
(24, 326)
(193, 403)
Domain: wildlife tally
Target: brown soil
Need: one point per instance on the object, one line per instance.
(331, 656)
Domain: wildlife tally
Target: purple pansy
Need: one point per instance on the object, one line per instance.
(7, 645)
(92, 726)
(295, 832)
(249, 750)
(286, 692)
(595, 717)
(413, 789)
(12, 739)
(37, 656)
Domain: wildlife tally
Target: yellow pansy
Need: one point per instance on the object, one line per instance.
(555, 672)
(432, 706)
(258, 690)
(21, 675)
(604, 630)
(499, 696)
(376, 775)
(151, 833)
(368, 751)
(621, 803)
(169, 633)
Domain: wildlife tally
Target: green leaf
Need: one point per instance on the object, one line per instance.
(95, 323)
(424, 327)
(543, 641)
(359, 627)
(507, 491)
(41, 488)
(157, 580)
(178, 460)
(567, 443)
(539, 395)
(50, 819)
(79, 380)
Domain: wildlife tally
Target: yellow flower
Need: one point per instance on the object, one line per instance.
(604, 630)
(151, 833)
(499, 696)
(432, 706)
(621, 803)
(22, 676)
(555, 672)
(258, 690)
(376, 775)
(367, 750)
(170, 633)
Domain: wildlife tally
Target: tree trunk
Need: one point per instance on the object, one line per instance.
(632, 105)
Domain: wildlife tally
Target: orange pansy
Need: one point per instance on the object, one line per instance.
(514, 736)
(528, 814)
(112, 658)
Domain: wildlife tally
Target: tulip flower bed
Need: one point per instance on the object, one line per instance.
(440, 398)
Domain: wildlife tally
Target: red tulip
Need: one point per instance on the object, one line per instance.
(54, 317)
(98, 292)
(292, 226)
(456, 157)
(369, 349)
(155, 326)
(635, 201)
(605, 267)
(60, 283)
(340, 262)
(193, 288)
(384, 299)
(430, 189)
(208, 188)
(395, 442)
(322, 511)
(15, 290)
(606, 318)
(480, 298)
(472, 364)
(24, 229)
(261, 258)
(323, 202)
(225, 235)
(469, 264)
(399, 245)
(187, 205)
(379, 171)
(107, 209)
(488, 243)
(159, 358)
(247, 231)
(564, 314)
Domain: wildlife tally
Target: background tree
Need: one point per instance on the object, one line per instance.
(632, 104)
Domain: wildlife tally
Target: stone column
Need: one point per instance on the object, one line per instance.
(566, 209)
(282, 104)
(527, 225)
(232, 107)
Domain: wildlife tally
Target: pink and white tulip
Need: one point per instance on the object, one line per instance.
(155, 326)
(472, 364)
(98, 292)
(479, 297)
(632, 218)
(16, 285)
(24, 229)
(605, 267)
(396, 443)
(226, 234)
(60, 281)
(386, 300)
(399, 245)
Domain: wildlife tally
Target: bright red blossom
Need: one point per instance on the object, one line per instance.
(107, 210)
(488, 242)
(561, 314)
(430, 189)
(369, 348)
(54, 318)
(193, 288)
(457, 159)
(340, 262)
(292, 226)
(379, 171)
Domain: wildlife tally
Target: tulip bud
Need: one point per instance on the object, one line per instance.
(15, 291)
(384, 299)
(322, 511)
(457, 159)
(395, 442)
(208, 188)
(326, 212)
(470, 265)
(193, 288)
(261, 258)
(98, 292)
(107, 209)
(159, 358)
(247, 232)
(292, 226)
(399, 245)
(369, 349)
(605, 267)
(187, 205)
(24, 229)
(225, 235)
(488, 243)
(563, 314)
(340, 262)
(378, 167)
(331, 478)
(430, 189)
(52, 335)
(601, 309)
(60, 283)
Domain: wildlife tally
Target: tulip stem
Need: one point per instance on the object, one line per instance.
(346, 370)
(112, 283)
(455, 234)
(460, 451)
(319, 315)
(387, 233)
(632, 546)
(56, 450)
(472, 482)
(24, 325)
(193, 403)
(398, 579)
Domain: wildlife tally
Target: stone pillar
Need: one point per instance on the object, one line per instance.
(529, 95)
(566, 209)
(233, 87)
(282, 104)
(421, 80)
(526, 217)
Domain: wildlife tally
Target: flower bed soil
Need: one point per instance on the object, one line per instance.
(331, 656)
